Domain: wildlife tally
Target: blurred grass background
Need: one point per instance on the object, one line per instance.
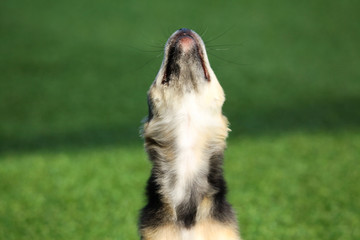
(73, 82)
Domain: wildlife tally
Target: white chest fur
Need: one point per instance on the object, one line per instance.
(195, 125)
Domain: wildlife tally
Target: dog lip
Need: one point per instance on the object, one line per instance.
(186, 42)
(184, 33)
(186, 39)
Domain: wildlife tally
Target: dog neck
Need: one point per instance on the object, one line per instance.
(180, 145)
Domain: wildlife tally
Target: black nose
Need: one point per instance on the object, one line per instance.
(184, 30)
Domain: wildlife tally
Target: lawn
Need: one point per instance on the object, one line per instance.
(73, 82)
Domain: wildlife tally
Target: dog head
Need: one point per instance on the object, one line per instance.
(185, 75)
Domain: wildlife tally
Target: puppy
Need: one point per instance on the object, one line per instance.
(185, 135)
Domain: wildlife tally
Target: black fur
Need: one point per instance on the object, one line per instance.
(172, 66)
(186, 211)
(155, 213)
(150, 109)
(222, 210)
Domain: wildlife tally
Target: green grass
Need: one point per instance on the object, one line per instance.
(93, 194)
(303, 184)
(293, 186)
(73, 82)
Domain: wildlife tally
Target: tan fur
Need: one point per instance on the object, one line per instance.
(203, 230)
(161, 233)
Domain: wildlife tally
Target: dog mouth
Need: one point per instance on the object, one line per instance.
(184, 57)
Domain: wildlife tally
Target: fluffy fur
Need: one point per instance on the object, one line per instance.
(185, 135)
